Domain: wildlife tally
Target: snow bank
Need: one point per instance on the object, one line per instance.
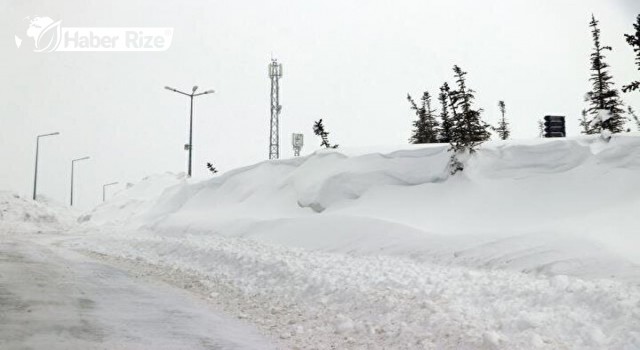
(127, 206)
(561, 206)
(18, 214)
(367, 249)
(316, 300)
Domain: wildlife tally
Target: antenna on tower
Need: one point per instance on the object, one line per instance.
(275, 73)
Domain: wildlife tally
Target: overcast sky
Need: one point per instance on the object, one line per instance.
(349, 62)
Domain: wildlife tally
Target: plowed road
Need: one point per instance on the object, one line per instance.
(56, 299)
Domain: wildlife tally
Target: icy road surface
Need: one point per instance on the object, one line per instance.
(55, 299)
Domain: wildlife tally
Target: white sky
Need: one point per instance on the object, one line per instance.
(348, 62)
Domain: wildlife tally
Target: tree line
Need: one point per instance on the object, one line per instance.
(459, 123)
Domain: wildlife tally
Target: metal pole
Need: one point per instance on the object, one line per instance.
(35, 174)
(190, 134)
(104, 187)
(71, 201)
(191, 96)
(73, 162)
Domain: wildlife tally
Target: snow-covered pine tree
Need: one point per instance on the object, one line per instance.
(634, 41)
(318, 129)
(426, 126)
(468, 130)
(419, 125)
(635, 117)
(445, 117)
(211, 168)
(455, 165)
(503, 126)
(603, 95)
(586, 126)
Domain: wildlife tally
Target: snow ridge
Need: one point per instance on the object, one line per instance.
(569, 205)
(534, 245)
(19, 214)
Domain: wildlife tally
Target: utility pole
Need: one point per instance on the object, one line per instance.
(104, 188)
(189, 146)
(73, 163)
(275, 73)
(35, 175)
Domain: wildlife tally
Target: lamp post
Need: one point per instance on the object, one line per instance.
(73, 162)
(35, 174)
(193, 94)
(104, 187)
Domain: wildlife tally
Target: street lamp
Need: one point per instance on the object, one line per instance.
(104, 189)
(35, 174)
(193, 94)
(73, 162)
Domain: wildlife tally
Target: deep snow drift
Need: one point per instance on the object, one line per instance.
(383, 249)
(134, 200)
(18, 214)
(563, 206)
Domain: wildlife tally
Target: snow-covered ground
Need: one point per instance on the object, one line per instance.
(18, 214)
(322, 300)
(534, 245)
(563, 206)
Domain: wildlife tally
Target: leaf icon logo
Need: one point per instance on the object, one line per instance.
(49, 38)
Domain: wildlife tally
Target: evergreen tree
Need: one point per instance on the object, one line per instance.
(451, 100)
(603, 95)
(540, 128)
(455, 165)
(446, 120)
(419, 125)
(318, 129)
(468, 130)
(585, 124)
(211, 168)
(634, 41)
(426, 126)
(635, 117)
(503, 126)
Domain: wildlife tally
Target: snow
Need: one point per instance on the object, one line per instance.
(138, 198)
(378, 301)
(538, 205)
(18, 214)
(534, 245)
(603, 115)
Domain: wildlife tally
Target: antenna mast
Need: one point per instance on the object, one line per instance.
(275, 73)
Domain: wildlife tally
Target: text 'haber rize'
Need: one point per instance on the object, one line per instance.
(132, 40)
